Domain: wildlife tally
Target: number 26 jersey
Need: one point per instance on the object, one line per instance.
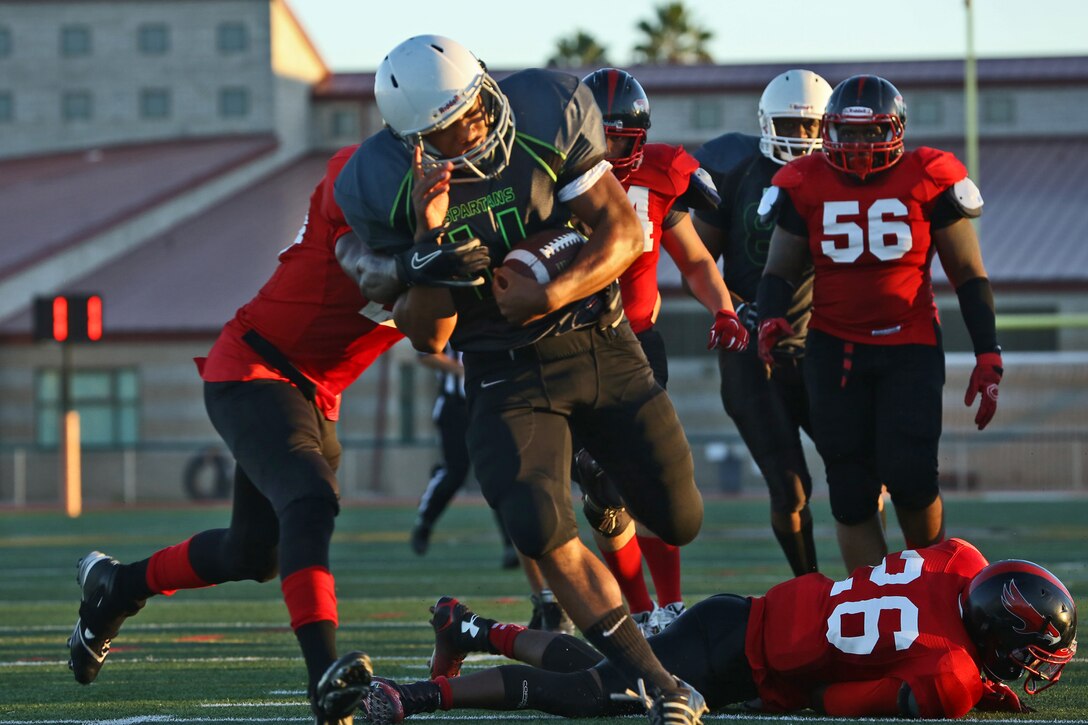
(896, 622)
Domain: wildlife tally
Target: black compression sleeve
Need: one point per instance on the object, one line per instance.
(773, 297)
(977, 306)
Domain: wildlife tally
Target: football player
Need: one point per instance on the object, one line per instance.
(661, 182)
(468, 163)
(906, 638)
(869, 216)
(768, 405)
(273, 383)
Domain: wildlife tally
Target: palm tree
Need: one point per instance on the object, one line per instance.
(580, 50)
(673, 37)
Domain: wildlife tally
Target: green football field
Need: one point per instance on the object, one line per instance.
(226, 655)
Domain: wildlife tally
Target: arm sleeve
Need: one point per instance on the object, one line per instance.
(944, 213)
(873, 698)
(673, 217)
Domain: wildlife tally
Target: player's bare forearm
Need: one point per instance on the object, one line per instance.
(959, 251)
(697, 267)
(614, 243)
(426, 316)
(376, 274)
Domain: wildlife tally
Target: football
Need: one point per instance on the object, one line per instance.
(544, 255)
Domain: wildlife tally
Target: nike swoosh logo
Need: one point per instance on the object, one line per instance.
(419, 262)
(610, 632)
(489, 383)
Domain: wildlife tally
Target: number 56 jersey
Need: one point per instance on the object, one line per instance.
(871, 245)
(885, 625)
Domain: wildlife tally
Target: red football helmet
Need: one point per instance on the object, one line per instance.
(1021, 617)
(625, 110)
(875, 110)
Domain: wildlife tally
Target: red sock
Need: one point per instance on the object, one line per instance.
(502, 637)
(310, 595)
(446, 693)
(626, 565)
(169, 570)
(663, 561)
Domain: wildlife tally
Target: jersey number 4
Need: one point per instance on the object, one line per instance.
(883, 229)
(870, 609)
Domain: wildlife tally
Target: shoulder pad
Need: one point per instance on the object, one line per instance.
(966, 197)
(940, 166)
(665, 169)
(768, 205)
(701, 192)
(723, 154)
(327, 201)
(789, 176)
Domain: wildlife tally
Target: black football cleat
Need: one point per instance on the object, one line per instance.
(389, 702)
(101, 613)
(457, 631)
(343, 686)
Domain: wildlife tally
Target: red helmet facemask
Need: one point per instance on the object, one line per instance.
(862, 158)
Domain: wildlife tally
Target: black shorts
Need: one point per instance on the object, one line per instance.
(596, 383)
(705, 648)
(654, 346)
(882, 426)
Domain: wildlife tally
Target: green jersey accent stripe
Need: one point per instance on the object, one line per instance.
(405, 192)
(543, 164)
(532, 139)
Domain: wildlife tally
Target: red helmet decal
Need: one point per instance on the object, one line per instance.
(1033, 622)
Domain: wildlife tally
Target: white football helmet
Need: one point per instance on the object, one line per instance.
(793, 94)
(428, 82)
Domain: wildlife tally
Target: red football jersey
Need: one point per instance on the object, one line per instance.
(310, 310)
(652, 188)
(863, 636)
(871, 245)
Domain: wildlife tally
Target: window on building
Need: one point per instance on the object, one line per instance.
(345, 124)
(233, 102)
(76, 106)
(707, 114)
(75, 40)
(155, 103)
(7, 107)
(927, 111)
(107, 402)
(5, 42)
(999, 109)
(153, 38)
(232, 38)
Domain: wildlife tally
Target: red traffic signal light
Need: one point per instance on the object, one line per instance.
(68, 318)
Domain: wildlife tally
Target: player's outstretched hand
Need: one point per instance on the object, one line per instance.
(770, 332)
(727, 333)
(431, 264)
(999, 697)
(984, 380)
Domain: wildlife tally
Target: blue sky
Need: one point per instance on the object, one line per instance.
(356, 34)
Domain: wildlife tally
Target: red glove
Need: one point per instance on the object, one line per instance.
(770, 332)
(727, 332)
(999, 697)
(984, 380)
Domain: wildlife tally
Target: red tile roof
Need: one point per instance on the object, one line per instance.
(54, 202)
(664, 79)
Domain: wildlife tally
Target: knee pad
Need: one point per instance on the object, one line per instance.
(306, 526)
(915, 496)
(853, 492)
(535, 527)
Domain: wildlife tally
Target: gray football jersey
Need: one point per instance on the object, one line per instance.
(559, 137)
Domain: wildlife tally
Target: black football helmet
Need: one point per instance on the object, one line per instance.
(626, 113)
(863, 101)
(1021, 617)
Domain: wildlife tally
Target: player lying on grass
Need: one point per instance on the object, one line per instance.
(930, 633)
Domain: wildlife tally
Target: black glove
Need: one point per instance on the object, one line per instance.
(431, 264)
(748, 314)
